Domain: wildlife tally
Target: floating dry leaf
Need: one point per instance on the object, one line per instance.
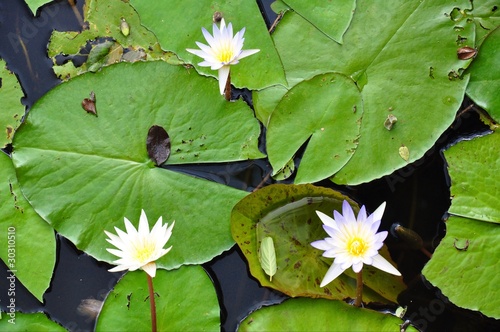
(158, 145)
(390, 121)
(88, 104)
(404, 153)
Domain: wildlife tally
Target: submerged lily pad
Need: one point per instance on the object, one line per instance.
(286, 213)
(185, 301)
(11, 110)
(397, 52)
(29, 242)
(469, 253)
(29, 322)
(84, 174)
(179, 27)
(485, 76)
(319, 315)
(326, 111)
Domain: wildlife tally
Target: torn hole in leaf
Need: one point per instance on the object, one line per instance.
(158, 144)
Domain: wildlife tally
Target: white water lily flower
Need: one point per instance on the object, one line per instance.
(139, 249)
(223, 50)
(353, 242)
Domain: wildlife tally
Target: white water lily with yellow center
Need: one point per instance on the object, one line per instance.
(139, 248)
(353, 242)
(222, 50)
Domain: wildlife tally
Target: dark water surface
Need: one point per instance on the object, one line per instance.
(417, 197)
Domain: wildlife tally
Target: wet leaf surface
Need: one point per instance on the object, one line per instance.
(287, 214)
(61, 152)
(319, 315)
(158, 145)
(185, 301)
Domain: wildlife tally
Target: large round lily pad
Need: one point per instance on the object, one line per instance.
(84, 173)
(286, 213)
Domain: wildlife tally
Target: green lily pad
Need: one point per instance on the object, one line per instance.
(11, 110)
(485, 76)
(332, 21)
(29, 242)
(35, 4)
(29, 322)
(396, 52)
(473, 167)
(179, 26)
(85, 173)
(319, 315)
(325, 110)
(465, 265)
(286, 213)
(469, 252)
(486, 16)
(185, 301)
(105, 19)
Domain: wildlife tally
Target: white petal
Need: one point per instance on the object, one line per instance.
(320, 244)
(223, 75)
(208, 37)
(347, 212)
(143, 225)
(150, 269)
(118, 268)
(333, 272)
(327, 220)
(357, 267)
(378, 213)
(362, 214)
(381, 263)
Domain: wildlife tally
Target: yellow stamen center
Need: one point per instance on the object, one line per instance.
(225, 54)
(356, 246)
(143, 254)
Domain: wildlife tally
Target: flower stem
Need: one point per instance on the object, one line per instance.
(152, 302)
(227, 89)
(359, 289)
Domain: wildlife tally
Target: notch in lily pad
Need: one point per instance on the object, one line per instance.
(158, 145)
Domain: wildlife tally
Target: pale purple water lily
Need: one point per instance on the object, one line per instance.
(139, 249)
(222, 51)
(353, 242)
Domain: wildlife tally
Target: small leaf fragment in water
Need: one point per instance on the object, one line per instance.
(158, 145)
(88, 104)
(404, 152)
(124, 27)
(97, 55)
(465, 53)
(267, 257)
(390, 121)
